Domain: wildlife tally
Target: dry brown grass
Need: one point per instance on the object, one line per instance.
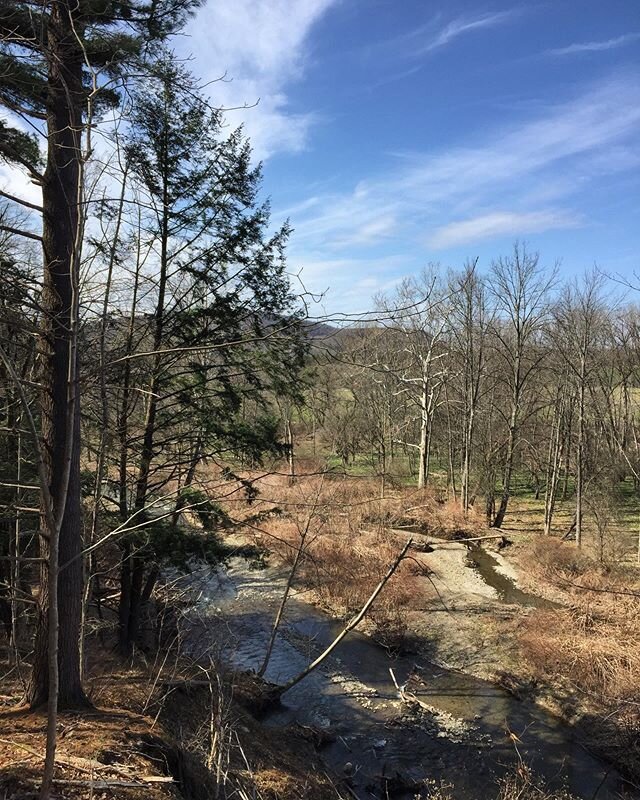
(352, 503)
(353, 537)
(342, 570)
(523, 784)
(595, 654)
(590, 647)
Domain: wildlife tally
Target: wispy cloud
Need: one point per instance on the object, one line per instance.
(501, 223)
(522, 178)
(459, 27)
(595, 47)
(431, 36)
(371, 231)
(260, 46)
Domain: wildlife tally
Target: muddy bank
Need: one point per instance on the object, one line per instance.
(471, 732)
(150, 737)
(470, 609)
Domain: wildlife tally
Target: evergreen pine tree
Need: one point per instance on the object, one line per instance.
(224, 326)
(61, 62)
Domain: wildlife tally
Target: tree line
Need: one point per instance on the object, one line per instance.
(485, 379)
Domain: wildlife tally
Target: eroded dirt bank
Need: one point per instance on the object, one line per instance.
(158, 732)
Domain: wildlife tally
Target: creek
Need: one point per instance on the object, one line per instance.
(508, 592)
(473, 732)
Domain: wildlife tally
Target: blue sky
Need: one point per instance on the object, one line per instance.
(432, 131)
(395, 133)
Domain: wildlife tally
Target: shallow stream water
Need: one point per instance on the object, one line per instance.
(507, 590)
(472, 734)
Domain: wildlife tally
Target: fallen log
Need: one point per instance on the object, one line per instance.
(439, 539)
(478, 538)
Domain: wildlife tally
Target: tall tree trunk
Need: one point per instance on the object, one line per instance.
(566, 452)
(124, 606)
(60, 403)
(290, 451)
(553, 467)
(580, 451)
(427, 457)
(133, 594)
(466, 461)
(423, 468)
(158, 336)
(122, 424)
(14, 583)
(511, 444)
(105, 427)
(450, 447)
(506, 476)
(382, 460)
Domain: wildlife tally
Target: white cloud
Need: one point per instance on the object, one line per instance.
(595, 47)
(260, 46)
(14, 180)
(462, 25)
(548, 158)
(500, 223)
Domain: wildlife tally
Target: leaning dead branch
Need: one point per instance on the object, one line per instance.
(348, 628)
(304, 532)
(407, 697)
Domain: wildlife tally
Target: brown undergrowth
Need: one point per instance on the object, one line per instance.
(521, 784)
(178, 731)
(349, 536)
(590, 647)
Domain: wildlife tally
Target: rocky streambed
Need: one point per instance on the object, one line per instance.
(463, 731)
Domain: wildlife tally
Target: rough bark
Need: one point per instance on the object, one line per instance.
(60, 402)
